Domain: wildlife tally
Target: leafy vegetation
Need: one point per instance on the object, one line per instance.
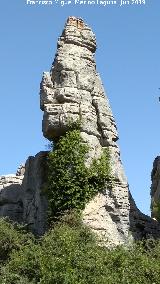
(69, 254)
(11, 238)
(70, 182)
(156, 210)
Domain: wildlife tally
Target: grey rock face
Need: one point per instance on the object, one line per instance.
(73, 90)
(21, 195)
(155, 189)
(11, 197)
(141, 225)
(34, 200)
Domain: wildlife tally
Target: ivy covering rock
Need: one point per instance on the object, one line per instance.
(71, 184)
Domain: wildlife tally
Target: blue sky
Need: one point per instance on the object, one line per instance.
(127, 57)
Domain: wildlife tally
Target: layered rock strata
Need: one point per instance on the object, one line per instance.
(73, 90)
(21, 195)
(11, 197)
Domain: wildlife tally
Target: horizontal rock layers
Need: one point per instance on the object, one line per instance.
(73, 90)
(11, 197)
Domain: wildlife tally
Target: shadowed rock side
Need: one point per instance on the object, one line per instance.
(21, 195)
(34, 201)
(155, 189)
(73, 90)
(11, 197)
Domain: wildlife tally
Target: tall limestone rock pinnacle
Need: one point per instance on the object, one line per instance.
(73, 90)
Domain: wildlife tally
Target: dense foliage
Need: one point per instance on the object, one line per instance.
(11, 238)
(70, 183)
(69, 254)
(156, 210)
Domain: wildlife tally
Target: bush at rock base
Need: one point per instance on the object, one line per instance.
(69, 254)
(12, 237)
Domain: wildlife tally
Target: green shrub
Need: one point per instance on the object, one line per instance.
(156, 210)
(70, 183)
(12, 236)
(69, 254)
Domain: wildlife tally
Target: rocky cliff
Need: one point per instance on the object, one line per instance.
(21, 196)
(155, 189)
(73, 90)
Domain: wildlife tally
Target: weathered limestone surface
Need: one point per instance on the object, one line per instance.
(155, 189)
(141, 225)
(21, 195)
(34, 200)
(73, 90)
(11, 197)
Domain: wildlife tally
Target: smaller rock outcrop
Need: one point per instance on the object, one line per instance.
(155, 189)
(11, 197)
(21, 195)
(20, 170)
(34, 200)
